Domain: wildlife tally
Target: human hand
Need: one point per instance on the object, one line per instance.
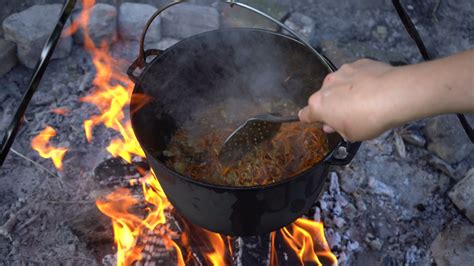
(352, 101)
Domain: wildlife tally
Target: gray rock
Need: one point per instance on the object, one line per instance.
(376, 244)
(333, 238)
(447, 138)
(7, 56)
(301, 24)
(399, 145)
(454, 246)
(442, 166)
(350, 183)
(339, 222)
(243, 18)
(132, 19)
(462, 195)
(350, 211)
(102, 25)
(334, 188)
(380, 188)
(361, 206)
(373, 242)
(31, 28)
(414, 138)
(185, 20)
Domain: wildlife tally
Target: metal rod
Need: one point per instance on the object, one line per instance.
(40, 68)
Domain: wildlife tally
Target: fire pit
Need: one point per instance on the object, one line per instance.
(388, 206)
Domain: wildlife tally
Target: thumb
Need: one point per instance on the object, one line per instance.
(309, 114)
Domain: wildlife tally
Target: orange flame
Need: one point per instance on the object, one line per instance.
(128, 227)
(216, 256)
(300, 237)
(41, 144)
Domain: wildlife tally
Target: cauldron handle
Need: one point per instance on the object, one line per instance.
(140, 62)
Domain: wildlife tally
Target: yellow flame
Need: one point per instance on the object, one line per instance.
(216, 256)
(301, 236)
(40, 143)
(128, 227)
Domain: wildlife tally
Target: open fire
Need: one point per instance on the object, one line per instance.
(111, 97)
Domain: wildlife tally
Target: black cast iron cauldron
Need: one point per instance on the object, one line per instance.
(211, 67)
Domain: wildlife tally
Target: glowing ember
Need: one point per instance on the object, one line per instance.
(111, 96)
(41, 144)
(61, 111)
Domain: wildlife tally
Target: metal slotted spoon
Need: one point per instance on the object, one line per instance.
(250, 134)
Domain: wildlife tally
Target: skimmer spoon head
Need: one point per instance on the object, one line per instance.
(250, 134)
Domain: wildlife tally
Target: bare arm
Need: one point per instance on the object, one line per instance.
(363, 99)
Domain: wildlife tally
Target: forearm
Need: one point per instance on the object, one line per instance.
(432, 88)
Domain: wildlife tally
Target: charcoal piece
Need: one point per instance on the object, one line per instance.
(92, 227)
(255, 250)
(116, 167)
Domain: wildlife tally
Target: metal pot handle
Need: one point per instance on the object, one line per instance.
(140, 62)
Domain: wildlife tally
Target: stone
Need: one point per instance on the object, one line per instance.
(7, 56)
(339, 222)
(31, 28)
(334, 187)
(399, 145)
(442, 166)
(414, 138)
(132, 20)
(373, 242)
(243, 18)
(454, 246)
(333, 238)
(349, 183)
(462, 195)
(376, 244)
(350, 211)
(102, 25)
(186, 20)
(447, 138)
(380, 188)
(301, 24)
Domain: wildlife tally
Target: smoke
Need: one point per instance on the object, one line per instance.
(222, 77)
(240, 67)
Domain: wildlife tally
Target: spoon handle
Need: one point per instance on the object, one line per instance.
(289, 119)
